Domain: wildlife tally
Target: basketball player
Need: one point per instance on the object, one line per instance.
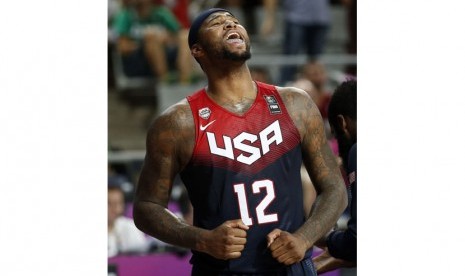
(238, 146)
(341, 245)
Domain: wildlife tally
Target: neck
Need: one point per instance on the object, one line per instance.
(232, 81)
(233, 89)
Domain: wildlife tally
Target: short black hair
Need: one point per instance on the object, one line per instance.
(343, 102)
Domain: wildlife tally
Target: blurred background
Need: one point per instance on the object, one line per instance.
(307, 44)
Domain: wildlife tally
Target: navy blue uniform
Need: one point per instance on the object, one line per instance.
(248, 167)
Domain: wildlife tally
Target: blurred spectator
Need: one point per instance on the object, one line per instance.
(306, 25)
(313, 79)
(260, 74)
(316, 73)
(247, 8)
(123, 236)
(148, 36)
(113, 7)
(180, 9)
(351, 6)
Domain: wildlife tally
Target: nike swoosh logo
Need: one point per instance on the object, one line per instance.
(202, 128)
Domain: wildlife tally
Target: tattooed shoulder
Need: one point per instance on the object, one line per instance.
(299, 106)
(174, 129)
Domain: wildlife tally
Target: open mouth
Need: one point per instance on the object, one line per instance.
(234, 37)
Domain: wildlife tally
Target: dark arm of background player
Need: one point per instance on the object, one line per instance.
(324, 173)
(343, 244)
(161, 164)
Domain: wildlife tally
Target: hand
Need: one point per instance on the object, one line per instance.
(285, 247)
(126, 46)
(325, 262)
(227, 240)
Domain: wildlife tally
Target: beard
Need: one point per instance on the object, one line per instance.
(344, 145)
(236, 56)
(225, 53)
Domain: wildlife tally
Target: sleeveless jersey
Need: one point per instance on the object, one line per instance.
(248, 167)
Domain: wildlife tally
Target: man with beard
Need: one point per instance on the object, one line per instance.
(341, 245)
(238, 146)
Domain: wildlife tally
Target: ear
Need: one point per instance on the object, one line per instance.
(342, 123)
(196, 51)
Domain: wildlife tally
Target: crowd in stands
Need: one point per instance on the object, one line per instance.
(150, 36)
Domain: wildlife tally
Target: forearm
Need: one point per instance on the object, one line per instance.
(328, 207)
(157, 221)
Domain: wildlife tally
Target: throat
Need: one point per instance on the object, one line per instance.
(229, 99)
(239, 107)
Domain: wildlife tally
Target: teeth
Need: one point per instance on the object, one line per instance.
(235, 40)
(234, 36)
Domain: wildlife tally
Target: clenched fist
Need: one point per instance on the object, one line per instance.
(227, 240)
(285, 247)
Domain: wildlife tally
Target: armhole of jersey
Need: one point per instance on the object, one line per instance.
(274, 91)
(196, 119)
(191, 99)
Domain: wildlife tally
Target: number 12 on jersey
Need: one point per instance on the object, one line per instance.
(239, 189)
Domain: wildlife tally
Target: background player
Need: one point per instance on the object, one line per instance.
(341, 245)
(238, 146)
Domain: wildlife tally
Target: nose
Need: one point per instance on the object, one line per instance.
(229, 24)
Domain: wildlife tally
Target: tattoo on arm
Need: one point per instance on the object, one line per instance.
(169, 145)
(320, 163)
(326, 176)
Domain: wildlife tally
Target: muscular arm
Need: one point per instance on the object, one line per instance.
(170, 142)
(320, 163)
(167, 152)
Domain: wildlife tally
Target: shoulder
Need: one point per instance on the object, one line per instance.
(172, 132)
(300, 107)
(177, 117)
(352, 160)
(353, 150)
(302, 110)
(178, 110)
(294, 97)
